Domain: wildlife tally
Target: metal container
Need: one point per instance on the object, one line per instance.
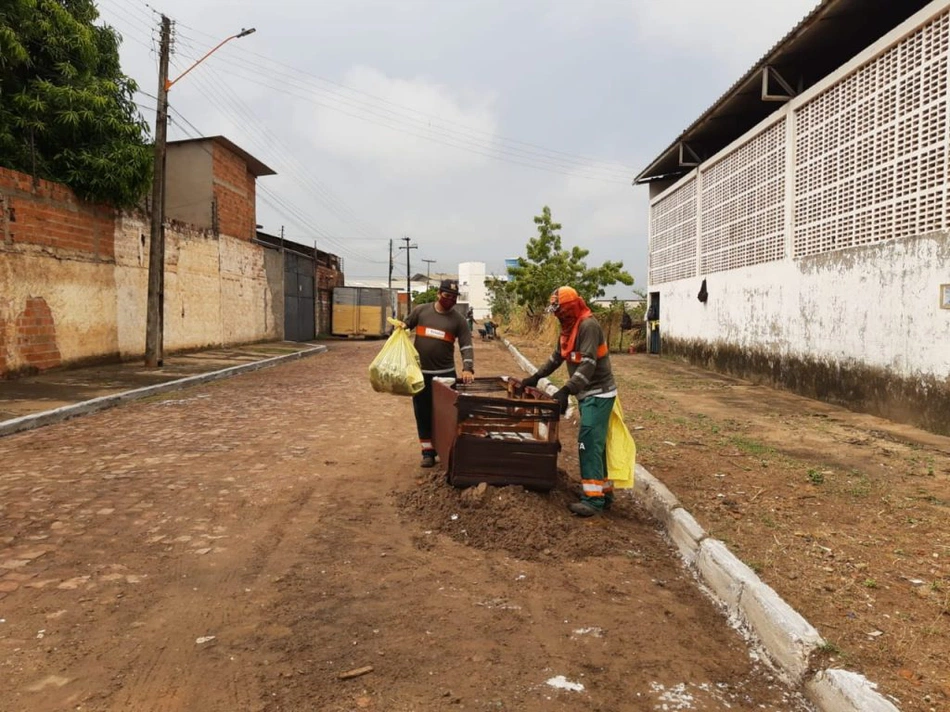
(360, 311)
(495, 431)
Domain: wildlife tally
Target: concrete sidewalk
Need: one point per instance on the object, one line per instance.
(52, 396)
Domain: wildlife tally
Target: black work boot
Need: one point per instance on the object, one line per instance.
(582, 509)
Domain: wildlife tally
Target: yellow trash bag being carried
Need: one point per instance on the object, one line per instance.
(621, 450)
(396, 367)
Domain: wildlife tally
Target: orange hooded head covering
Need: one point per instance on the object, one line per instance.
(570, 309)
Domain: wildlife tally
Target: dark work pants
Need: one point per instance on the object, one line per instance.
(422, 407)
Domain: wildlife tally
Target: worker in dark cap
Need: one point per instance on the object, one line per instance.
(437, 326)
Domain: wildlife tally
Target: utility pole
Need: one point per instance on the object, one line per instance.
(155, 317)
(428, 267)
(407, 247)
(390, 264)
(155, 308)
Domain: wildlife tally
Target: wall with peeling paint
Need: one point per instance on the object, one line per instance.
(862, 327)
(823, 235)
(878, 305)
(74, 279)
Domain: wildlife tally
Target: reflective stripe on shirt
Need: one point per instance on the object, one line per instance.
(429, 333)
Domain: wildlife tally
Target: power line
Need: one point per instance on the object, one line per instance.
(532, 156)
(281, 205)
(428, 117)
(412, 127)
(266, 139)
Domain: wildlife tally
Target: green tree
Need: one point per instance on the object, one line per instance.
(66, 109)
(501, 296)
(549, 266)
(426, 297)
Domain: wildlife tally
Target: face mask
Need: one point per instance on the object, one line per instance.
(447, 301)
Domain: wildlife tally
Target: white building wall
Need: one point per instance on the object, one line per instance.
(823, 233)
(472, 288)
(876, 305)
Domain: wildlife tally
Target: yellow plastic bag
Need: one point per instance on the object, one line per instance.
(621, 450)
(396, 367)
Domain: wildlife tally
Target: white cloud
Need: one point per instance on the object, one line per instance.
(398, 140)
(735, 31)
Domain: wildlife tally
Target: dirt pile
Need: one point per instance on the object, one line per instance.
(533, 526)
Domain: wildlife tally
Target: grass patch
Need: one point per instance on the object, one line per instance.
(829, 648)
(860, 487)
(750, 447)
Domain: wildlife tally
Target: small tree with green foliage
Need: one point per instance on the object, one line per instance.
(501, 297)
(426, 297)
(549, 266)
(66, 109)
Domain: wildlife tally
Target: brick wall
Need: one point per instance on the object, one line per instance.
(328, 278)
(49, 216)
(74, 280)
(234, 192)
(36, 335)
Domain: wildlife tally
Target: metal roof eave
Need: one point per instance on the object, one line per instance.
(848, 25)
(645, 175)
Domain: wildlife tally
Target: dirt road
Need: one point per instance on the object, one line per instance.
(845, 515)
(238, 546)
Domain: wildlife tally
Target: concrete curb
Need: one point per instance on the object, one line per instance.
(58, 415)
(787, 638)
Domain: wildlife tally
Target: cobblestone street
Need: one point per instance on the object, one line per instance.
(236, 546)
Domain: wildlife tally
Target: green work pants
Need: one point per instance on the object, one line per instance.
(592, 451)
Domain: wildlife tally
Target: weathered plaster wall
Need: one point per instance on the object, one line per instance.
(217, 290)
(74, 282)
(56, 270)
(274, 294)
(862, 327)
(192, 286)
(245, 314)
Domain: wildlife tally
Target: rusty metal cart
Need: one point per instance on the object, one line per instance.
(496, 431)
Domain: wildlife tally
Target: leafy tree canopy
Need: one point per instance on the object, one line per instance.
(549, 266)
(66, 109)
(426, 297)
(502, 297)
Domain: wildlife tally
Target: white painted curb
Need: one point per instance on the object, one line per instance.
(843, 691)
(58, 415)
(783, 633)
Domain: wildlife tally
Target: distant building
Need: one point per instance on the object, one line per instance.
(472, 289)
(629, 304)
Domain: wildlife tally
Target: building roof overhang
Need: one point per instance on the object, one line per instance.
(256, 167)
(830, 35)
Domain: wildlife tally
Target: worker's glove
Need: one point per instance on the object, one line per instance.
(561, 397)
(531, 381)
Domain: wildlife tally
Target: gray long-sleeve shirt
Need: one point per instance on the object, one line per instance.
(588, 364)
(436, 333)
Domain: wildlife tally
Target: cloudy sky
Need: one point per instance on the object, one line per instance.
(450, 122)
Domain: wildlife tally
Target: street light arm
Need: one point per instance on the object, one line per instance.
(242, 33)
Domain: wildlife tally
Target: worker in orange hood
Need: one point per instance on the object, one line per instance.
(582, 345)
